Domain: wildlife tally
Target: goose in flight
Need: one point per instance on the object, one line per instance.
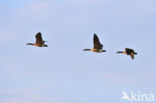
(39, 42)
(128, 51)
(98, 47)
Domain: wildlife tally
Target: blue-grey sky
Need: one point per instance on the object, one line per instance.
(63, 73)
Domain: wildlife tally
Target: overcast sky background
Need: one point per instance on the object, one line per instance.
(63, 73)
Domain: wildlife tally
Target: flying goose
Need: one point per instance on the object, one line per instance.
(128, 51)
(98, 47)
(39, 42)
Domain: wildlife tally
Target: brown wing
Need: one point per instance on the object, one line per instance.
(132, 56)
(97, 44)
(39, 40)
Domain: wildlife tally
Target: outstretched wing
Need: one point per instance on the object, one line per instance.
(39, 40)
(97, 44)
(129, 51)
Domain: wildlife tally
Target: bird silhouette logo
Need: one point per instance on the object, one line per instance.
(125, 96)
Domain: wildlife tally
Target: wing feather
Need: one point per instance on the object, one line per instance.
(96, 42)
(129, 51)
(39, 40)
(132, 56)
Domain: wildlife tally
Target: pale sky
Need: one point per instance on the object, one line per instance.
(63, 73)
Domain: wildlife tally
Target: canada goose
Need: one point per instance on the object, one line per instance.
(98, 47)
(128, 51)
(39, 41)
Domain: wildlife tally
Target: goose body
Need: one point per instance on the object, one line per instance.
(39, 42)
(98, 47)
(128, 51)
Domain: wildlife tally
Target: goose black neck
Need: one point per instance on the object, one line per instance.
(120, 52)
